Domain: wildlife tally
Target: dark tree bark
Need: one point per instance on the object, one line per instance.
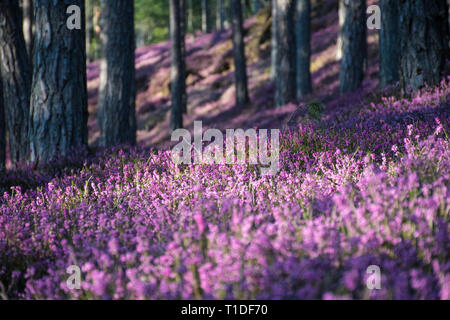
(354, 47)
(2, 131)
(117, 116)
(240, 64)
(206, 17)
(177, 77)
(183, 53)
(89, 30)
(28, 25)
(389, 43)
(423, 42)
(285, 74)
(303, 29)
(58, 96)
(16, 76)
(220, 14)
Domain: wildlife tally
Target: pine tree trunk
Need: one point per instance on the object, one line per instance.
(28, 25)
(117, 93)
(183, 53)
(176, 74)
(285, 74)
(354, 47)
(240, 72)
(423, 42)
(16, 76)
(274, 45)
(89, 30)
(206, 17)
(2, 130)
(220, 15)
(303, 29)
(389, 43)
(58, 95)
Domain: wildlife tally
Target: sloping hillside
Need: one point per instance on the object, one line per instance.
(210, 79)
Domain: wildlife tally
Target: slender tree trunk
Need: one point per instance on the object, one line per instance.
(389, 43)
(177, 86)
(58, 95)
(28, 25)
(117, 76)
(220, 15)
(242, 98)
(206, 17)
(2, 130)
(89, 30)
(190, 17)
(285, 74)
(16, 75)
(183, 53)
(274, 44)
(423, 41)
(303, 29)
(354, 47)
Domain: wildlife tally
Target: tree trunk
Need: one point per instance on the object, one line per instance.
(28, 25)
(2, 131)
(89, 30)
(220, 15)
(423, 42)
(303, 29)
(389, 42)
(117, 76)
(190, 17)
(176, 74)
(58, 95)
(206, 17)
(183, 53)
(274, 45)
(240, 64)
(16, 75)
(285, 74)
(354, 47)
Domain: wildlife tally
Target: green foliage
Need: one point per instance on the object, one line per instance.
(315, 109)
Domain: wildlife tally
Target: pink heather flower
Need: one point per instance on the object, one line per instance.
(198, 218)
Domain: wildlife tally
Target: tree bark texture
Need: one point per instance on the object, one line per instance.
(285, 75)
(423, 42)
(389, 43)
(117, 94)
(240, 64)
(28, 25)
(16, 78)
(206, 16)
(303, 30)
(354, 46)
(2, 131)
(58, 115)
(176, 74)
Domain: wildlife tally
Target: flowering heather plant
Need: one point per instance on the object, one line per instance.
(362, 186)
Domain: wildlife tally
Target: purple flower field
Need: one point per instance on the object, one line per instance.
(367, 184)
